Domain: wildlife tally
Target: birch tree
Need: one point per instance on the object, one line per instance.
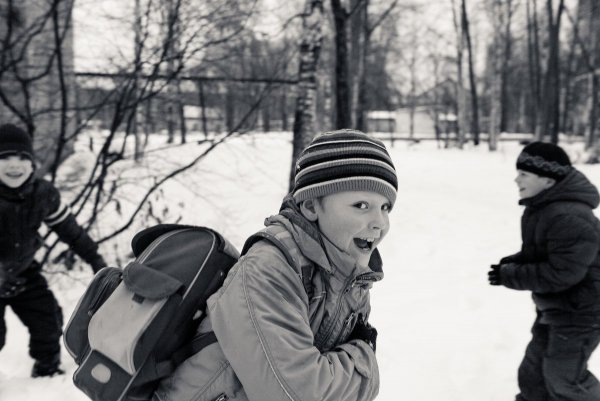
(309, 50)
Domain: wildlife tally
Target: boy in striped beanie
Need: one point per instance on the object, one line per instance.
(298, 298)
(341, 172)
(559, 262)
(25, 203)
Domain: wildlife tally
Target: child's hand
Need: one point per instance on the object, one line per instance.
(494, 275)
(364, 331)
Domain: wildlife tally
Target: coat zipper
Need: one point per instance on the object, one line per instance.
(349, 284)
(347, 323)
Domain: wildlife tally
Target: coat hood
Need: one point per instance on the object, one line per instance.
(317, 247)
(575, 187)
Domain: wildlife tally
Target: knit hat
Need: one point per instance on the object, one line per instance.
(344, 160)
(544, 159)
(13, 140)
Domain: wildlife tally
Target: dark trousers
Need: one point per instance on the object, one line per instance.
(555, 364)
(39, 311)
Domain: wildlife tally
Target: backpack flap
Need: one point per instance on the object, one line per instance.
(117, 329)
(149, 283)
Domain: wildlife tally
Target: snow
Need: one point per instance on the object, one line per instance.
(444, 333)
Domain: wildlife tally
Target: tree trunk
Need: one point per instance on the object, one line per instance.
(506, 67)
(592, 106)
(284, 111)
(202, 102)
(461, 96)
(310, 48)
(342, 75)
(566, 98)
(266, 115)
(412, 69)
(473, 83)
(230, 107)
(533, 53)
(550, 101)
(496, 105)
(358, 50)
(138, 152)
(181, 112)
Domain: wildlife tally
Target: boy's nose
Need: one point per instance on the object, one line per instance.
(378, 221)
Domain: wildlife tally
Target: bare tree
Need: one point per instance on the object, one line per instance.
(310, 49)
(461, 95)
(550, 101)
(534, 63)
(472, 81)
(501, 14)
(341, 16)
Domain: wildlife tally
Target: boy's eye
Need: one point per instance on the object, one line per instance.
(386, 208)
(361, 205)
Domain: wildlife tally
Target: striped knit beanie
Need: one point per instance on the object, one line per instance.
(13, 140)
(544, 159)
(344, 160)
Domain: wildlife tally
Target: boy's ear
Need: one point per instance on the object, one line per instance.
(308, 210)
(550, 182)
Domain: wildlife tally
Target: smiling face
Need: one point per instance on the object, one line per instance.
(531, 184)
(15, 170)
(354, 221)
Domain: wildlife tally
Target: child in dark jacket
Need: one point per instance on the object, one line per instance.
(559, 263)
(26, 202)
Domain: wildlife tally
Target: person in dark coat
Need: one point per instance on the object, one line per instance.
(26, 202)
(559, 263)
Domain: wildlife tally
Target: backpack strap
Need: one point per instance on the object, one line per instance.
(165, 368)
(282, 239)
(279, 237)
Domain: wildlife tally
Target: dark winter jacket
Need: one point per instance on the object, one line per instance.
(559, 260)
(275, 341)
(22, 211)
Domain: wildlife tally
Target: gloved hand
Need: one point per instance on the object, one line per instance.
(97, 263)
(364, 331)
(495, 275)
(12, 286)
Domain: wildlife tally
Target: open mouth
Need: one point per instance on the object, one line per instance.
(364, 244)
(14, 175)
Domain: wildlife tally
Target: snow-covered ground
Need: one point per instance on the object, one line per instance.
(445, 334)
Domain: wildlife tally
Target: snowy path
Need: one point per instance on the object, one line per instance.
(445, 334)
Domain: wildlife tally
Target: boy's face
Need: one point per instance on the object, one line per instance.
(15, 170)
(531, 184)
(355, 221)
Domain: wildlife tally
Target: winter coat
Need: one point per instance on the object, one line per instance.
(559, 260)
(274, 343)
(22, 211)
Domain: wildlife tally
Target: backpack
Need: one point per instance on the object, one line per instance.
(132, 327)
